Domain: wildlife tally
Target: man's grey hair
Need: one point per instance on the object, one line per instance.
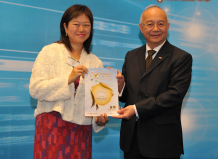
(151, 6)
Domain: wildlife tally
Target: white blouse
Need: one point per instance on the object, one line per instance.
(49, 84)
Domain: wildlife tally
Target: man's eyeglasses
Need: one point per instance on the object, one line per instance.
(151, 25)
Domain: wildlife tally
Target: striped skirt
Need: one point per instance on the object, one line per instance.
(59, 139)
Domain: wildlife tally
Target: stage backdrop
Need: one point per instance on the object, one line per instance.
(28, 25)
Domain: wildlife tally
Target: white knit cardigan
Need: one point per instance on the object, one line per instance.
(49, 84)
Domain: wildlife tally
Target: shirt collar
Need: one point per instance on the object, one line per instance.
(156, 48)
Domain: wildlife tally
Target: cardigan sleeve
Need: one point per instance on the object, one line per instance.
(44, 84)
(95, 126)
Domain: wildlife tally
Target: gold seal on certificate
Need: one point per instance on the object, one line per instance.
(101, 93)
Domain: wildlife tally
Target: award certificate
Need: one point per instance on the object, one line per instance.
(101, 92)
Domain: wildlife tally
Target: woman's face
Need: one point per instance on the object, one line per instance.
(78, 29)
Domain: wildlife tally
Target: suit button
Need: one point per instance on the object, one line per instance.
(140, 97)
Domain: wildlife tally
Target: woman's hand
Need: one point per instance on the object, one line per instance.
(102, 120)
(76, 73)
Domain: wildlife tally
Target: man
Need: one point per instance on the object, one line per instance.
(153, 90)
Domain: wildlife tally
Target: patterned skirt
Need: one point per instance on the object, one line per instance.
(59, 139)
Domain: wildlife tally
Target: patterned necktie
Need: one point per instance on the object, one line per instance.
(149, 58)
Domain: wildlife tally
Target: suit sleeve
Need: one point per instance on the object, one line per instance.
(180, 78)
(125, 92)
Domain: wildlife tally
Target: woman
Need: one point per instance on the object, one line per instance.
(62, 130)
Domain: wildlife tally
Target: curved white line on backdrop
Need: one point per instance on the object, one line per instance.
(194, 118)
(140, 6)
(18, 51)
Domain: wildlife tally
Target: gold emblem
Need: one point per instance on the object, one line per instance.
(101, 94)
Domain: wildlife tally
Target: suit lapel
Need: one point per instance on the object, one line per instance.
(162, 54)
(141, 58)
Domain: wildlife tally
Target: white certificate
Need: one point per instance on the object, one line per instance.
(101, 92)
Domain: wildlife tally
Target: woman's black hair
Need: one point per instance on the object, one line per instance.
(73, 12)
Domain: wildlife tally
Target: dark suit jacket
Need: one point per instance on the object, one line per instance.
(157, 93)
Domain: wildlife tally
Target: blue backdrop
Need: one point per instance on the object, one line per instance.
(28, 25)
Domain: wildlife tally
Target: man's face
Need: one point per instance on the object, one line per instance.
(154, 27)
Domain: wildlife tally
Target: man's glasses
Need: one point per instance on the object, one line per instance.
(151, 25)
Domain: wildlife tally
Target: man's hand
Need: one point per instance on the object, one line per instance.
(120, 79)
(102, 120)
(125, 113)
